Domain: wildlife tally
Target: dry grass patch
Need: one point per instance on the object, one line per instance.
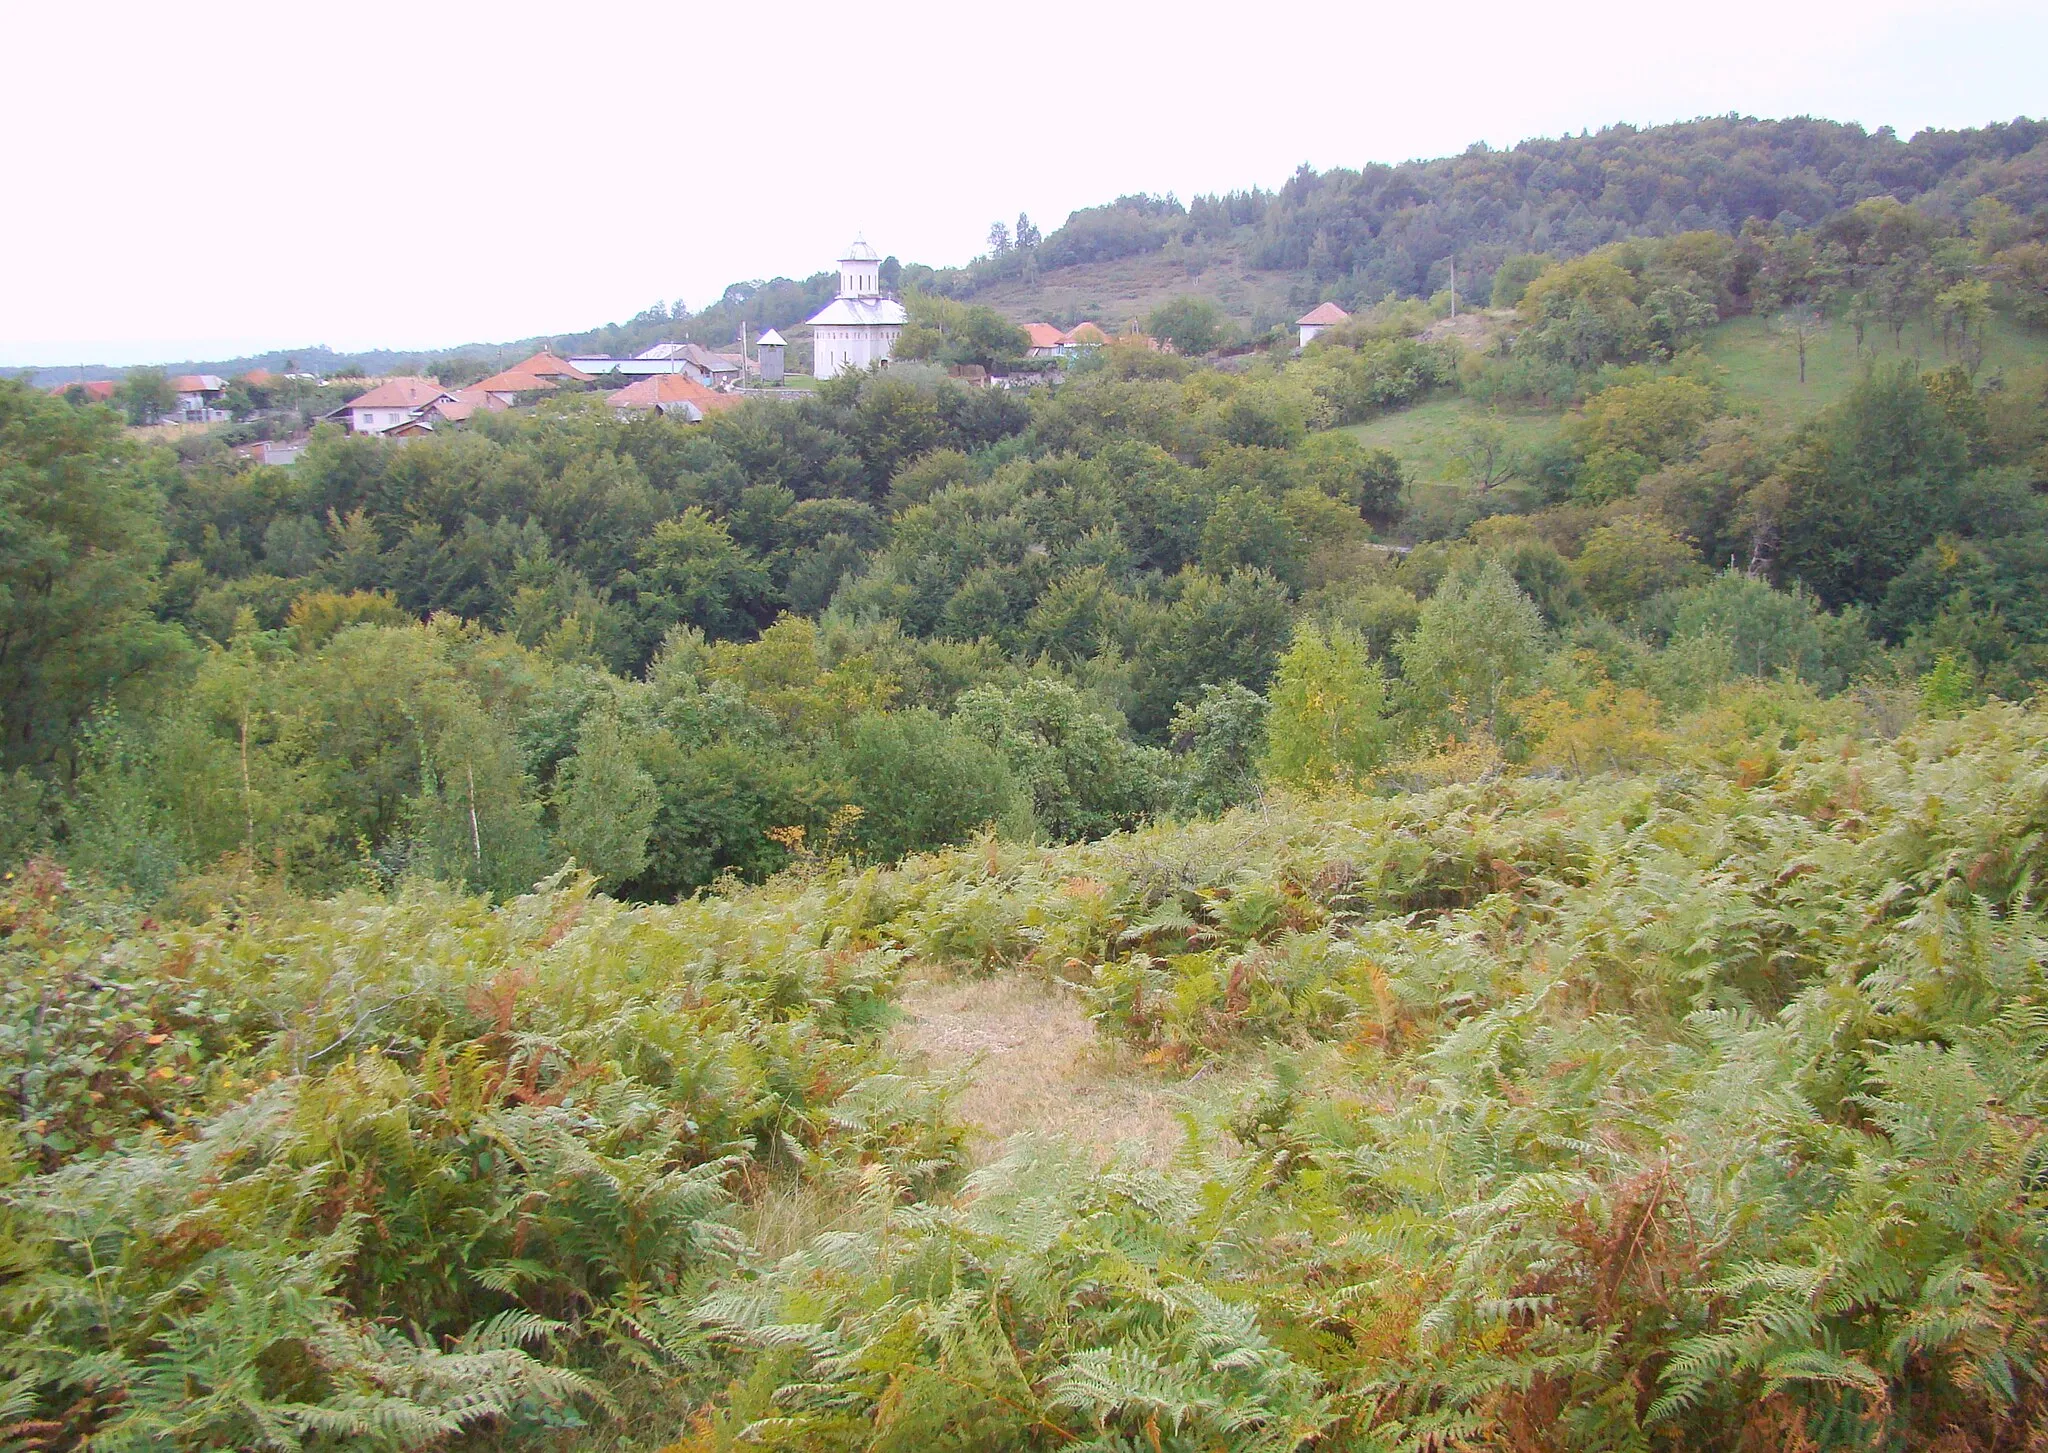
(1034, 1063)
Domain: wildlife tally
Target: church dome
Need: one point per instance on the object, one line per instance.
(859, 252)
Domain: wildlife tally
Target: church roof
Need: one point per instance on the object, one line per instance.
(853, 312)
(1322, 313)
(770, 339)
(860, 252)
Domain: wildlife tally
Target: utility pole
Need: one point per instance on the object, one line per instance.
(1454, 289)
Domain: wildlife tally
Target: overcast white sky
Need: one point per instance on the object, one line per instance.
(211, 180)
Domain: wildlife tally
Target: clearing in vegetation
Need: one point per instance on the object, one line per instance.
(1033, 1064)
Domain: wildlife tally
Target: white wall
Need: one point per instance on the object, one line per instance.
(841, 350)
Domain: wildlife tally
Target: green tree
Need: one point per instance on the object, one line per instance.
(1799, 327)
(1086, 779)
(1213, 631)
(1476, 644)
(1248, 530)
(80, 542)
(1329, 717)
(1583, 313)
(1631, 558)
(1369, 480)
(605, 801)
(691, 572)
(946, 331)
(1624, 433)
(922, 781)
(1512, 278)
(1484, 455)
(147, 395)
(1767, 631)
(1870, 484)
(1219, 740)
(1192, 325)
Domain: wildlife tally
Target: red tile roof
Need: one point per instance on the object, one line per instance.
(198, 383)
(99, 391)
(547, 365)
(1043, 335)
(1322, 313)
(1086, 333)
(670, 388)
(467, 401)
(259, 378)
(515, 381)
(400, 393)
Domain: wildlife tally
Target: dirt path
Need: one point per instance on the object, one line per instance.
(1037, 1066)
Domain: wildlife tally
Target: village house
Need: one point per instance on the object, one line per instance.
(692, 360)
(1042, 340)
(1318, 320)
(94, 391)
(271, 451)
(391, 404)
(199, 396)
(529, 377)
(857, 329)
(464, 404)
(514, 386)
(547, 365)
(674, 394)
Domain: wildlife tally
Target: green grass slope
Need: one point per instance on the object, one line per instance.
(1761, 370)
(1754, 364)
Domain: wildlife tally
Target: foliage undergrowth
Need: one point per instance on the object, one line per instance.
(1695, 1108)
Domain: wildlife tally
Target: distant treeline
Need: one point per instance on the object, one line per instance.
(1361, 234)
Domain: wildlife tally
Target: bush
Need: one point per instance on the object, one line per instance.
(922, 782)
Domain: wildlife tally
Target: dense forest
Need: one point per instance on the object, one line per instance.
(463, 890)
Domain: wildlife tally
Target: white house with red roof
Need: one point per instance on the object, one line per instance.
(1318, 320)
(391, 403)
(859, 328)
(199, 395)
(1043, 340)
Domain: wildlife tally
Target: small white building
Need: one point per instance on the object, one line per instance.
(858, 329)
(768, 354)
(1319, 319)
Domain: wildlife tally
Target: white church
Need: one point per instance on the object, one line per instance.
(857, 329)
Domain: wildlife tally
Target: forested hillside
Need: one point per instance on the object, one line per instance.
(1358, 235)
(1557, 800)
